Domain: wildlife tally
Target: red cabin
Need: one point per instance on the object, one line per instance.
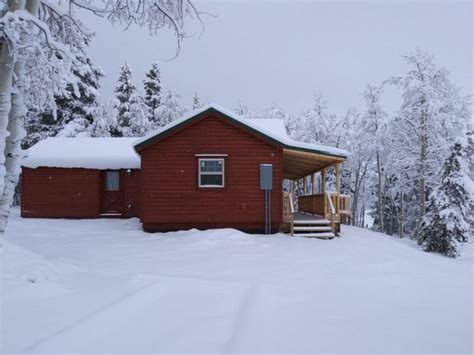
(202, 171)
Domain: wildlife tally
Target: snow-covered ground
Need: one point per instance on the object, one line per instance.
(106, 286)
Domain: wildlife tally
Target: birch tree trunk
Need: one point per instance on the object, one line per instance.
(379, 193)
(13, 153)
(422, 174)
(6, 85)
(6, 77)
(355, 197)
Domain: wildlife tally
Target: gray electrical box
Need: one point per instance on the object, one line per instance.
(266, 176)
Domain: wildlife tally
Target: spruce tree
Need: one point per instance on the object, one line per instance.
(153, 88)
(75, 106)
(197, 102)
(447, 220)
(139, 123)
(169, 110)
(123, 92)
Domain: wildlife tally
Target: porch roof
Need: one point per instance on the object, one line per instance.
(298, 164)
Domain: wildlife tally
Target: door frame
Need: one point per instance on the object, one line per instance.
(103, 191)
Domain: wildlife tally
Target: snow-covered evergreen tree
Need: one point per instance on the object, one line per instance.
(275, 112)
(105, 121)
(243, 110)
(139, 124)
(132, 112)
(169, 110)
(447, 220)
(153, 88)
(199, 102)
(75, 106)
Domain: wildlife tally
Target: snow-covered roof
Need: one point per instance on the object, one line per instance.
(274, 125)
(92, 153)
(272, 129)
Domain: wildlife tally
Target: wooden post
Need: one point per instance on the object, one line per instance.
(312, 184)
(305, 185)
(338, 188)
(323, 190)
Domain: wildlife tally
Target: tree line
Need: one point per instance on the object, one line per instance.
(409, 171)
(399, 166)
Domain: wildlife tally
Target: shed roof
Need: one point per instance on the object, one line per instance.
(92, 153)
(268, 130)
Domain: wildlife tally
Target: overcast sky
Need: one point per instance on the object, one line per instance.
(284, 51)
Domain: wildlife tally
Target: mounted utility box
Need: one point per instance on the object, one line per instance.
(266, 176)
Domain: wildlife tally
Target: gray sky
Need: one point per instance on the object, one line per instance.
(284, 51)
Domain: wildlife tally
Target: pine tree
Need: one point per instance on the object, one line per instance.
(123, 92)
(447, 220)
(243, 110)
(105, 121)
(198, 102)
(169, 110)
(153, 88)
(139, 123)
(275, 112)
(75, 105)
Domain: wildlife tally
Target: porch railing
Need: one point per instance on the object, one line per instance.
(319, 204)
(314, 204)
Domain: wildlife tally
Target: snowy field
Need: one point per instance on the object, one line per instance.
(106, 286)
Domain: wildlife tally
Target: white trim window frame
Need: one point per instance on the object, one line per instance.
(211, 173)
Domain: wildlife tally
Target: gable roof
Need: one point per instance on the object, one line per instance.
(79, 152)
(271, 132)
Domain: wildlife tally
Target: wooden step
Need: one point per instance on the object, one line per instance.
(318, 228)
(312, 221)
(315, 235)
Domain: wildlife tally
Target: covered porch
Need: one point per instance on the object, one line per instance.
(310, 209)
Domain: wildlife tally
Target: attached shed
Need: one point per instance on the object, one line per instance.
(81, 178)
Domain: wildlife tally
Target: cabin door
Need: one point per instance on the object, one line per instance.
(112, 194)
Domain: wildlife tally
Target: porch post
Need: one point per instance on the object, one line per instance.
(323, 191)
(338, 188)
(312, 184)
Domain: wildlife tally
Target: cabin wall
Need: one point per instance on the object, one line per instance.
(171, 197)
(74, 192)
(131, 184)
(60, 193)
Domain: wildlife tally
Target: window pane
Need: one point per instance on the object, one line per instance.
(212, 166)
(112, 181)
(215, 180)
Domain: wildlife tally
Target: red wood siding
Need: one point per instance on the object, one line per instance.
(60, 193)
(73, 193)
(131, 189)
(171, 198)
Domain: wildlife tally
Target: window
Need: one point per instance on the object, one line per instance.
(211, 172)
(112, 181)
